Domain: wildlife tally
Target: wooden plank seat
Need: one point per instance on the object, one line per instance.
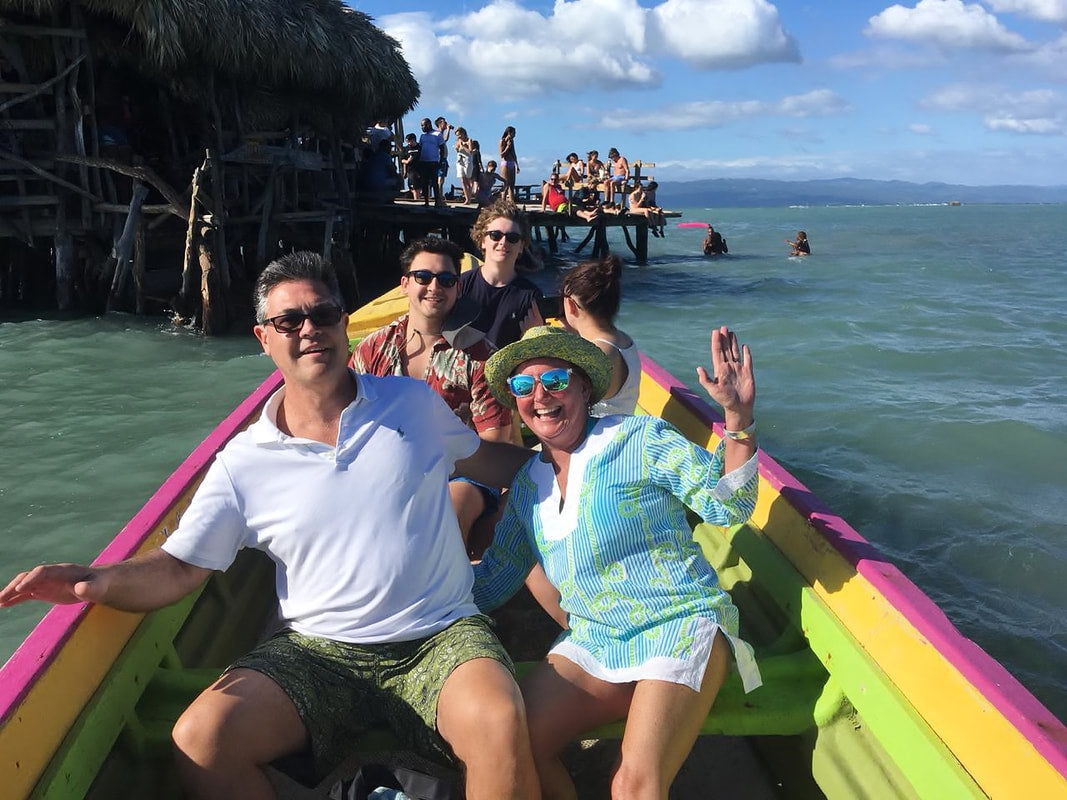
(793, 695)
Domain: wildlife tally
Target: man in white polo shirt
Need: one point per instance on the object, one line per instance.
(343, 483)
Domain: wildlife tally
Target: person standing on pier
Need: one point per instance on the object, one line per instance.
(430, 144)
(508, 301)
(465, 164)
(509, 162)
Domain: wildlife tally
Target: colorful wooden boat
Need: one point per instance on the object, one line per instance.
(869, 690)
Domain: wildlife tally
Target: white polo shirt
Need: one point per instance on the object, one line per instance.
(364, 537)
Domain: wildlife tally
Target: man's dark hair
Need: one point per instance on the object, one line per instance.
(435, 245)
(300, 266)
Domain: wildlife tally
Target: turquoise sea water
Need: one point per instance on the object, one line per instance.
(912, 372)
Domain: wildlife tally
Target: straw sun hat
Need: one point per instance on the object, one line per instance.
(548, 342)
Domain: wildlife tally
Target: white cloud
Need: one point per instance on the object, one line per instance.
(515, 52)
(1039, 111)
(717, 34)
(947, 24)
(920, 128)
(1050, 58)
(717, 113)
(1044, 10)
(1041, 127)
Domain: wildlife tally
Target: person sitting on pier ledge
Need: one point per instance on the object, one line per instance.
(553, 197)
(620, 174)
(643, 203)
(594, 167)
(573, 171)
(485, 182)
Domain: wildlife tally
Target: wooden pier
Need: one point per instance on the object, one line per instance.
(403, 220)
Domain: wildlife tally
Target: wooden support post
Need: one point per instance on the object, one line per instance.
(218, 215)
(190, 263)
(585, 241)
(139, 255)
(64, 254)
(124, 246)
(642, 242)
(265, 216)
(600, 239)
(327, 238)
(218, 186)
(79, 136)
(212, 299)
(553, 238)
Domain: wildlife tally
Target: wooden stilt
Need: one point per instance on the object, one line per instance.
(642, 243)
(190, 262)
(139, 255)
(327, 238)
(600, 240)
(124, 247)
(64, 255)
(212, 299)
(218, 186)
(265, 216)
(585, 241)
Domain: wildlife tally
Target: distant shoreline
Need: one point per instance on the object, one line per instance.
(761, 193)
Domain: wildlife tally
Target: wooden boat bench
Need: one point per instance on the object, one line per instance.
(794, 695)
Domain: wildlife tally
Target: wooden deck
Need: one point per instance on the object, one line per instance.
(549, 228)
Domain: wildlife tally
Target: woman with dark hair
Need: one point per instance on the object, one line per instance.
(572, 172)
(509, 162)
(465, 164)
(592, 292)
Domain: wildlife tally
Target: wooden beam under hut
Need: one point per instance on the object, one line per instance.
(124, 246)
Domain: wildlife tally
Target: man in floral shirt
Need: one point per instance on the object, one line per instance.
(429, 343)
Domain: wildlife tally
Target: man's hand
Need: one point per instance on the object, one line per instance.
(60, 584)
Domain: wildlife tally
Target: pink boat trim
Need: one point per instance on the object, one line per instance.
(1002, 689)
(36, 653)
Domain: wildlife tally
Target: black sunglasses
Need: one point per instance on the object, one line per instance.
(423, 277)
(292, 321)
(511, 236)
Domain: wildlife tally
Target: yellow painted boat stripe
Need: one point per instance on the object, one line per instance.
(972, 728)
(38, 726)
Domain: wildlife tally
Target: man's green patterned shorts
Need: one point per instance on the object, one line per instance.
(341, 690)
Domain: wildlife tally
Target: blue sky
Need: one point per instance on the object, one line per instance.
(935, 90)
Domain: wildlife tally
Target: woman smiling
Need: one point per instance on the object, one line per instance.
(603, 510)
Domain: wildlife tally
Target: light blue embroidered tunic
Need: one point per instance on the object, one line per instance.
(641, 599)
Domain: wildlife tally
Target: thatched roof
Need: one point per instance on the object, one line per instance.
(317, 54)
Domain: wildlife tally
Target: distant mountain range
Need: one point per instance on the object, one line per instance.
(737, 192)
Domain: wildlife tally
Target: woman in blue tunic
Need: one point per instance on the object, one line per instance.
(602, 508)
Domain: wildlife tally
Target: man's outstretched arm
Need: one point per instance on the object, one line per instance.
(141, 583)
